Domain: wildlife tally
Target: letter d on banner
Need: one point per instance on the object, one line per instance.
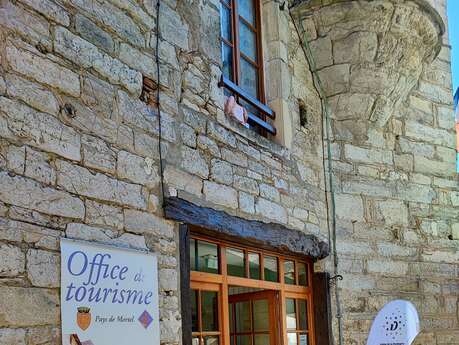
(397, 323)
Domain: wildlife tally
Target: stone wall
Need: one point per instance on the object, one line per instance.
(393, 160)
(79, 157)
(79, 152)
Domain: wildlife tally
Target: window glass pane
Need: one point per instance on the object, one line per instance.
(248, 43)
(260, 315)
(247, 10)
(235, 262)
(231, 306)
(243, 317)
(243, 340)
(289, 272)
(209, 309)
(302, 315)
(195, 341)
(254, 265)
(261, 339)
(194, 311)
(303, 339)
(193, 255)
(291, 313)
(225, 22)
(302, 274)
(249, 78)
(291, 338)
(208, 257)
(211, 340)
(270, 263)
(227, 60)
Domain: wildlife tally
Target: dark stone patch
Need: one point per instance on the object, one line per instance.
(92, 33)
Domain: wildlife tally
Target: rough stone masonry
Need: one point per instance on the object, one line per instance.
(79, 150)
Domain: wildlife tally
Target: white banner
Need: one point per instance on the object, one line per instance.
(109, 295)
(397, 323)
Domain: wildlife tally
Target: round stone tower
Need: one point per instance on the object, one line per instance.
(369, 56)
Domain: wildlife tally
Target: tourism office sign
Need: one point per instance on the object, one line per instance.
(109, 295)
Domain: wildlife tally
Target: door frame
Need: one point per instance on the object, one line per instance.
(221, 282)
(272, 297)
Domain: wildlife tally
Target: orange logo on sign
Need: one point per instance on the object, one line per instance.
(83, 318)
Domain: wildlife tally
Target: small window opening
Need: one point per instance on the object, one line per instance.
(303, 113)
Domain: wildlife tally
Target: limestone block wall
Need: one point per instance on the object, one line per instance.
(79, 151)
(394, 170)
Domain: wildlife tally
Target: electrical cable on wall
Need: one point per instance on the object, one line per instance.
(331, 211)
(161, 169)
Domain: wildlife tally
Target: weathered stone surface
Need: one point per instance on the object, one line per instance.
(269, 192)
(174, 28)
(25, 23)
(97, 154)
(182, 180)
(30, 194)
(87, 55)
(246, 184)
(271, 210)
(88, 233)
(112, 17)
(43, 268)
(193, 162)
(349, 207)
(38, 166)
(363, 155)
(13, 261)
(136, 113)
(388, 267)
(81, 181)
(247, 202)
(103, 214)
(335, 78)
(32, 93)
(147, 223)
(221, 172)
(137, 169)
(43, 70)
(220, 194)
(168, 279)
(393, 212)
(94, 34)
(39, 129)
(28, 307)
(50, 10)
(9, 336)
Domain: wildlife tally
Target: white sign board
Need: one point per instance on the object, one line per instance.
(397, 323)
(108, 295)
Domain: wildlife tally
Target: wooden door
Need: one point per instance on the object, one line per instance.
(254, 318)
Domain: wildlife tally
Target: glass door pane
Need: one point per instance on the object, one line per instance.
(262, 339)
(209, 310)
(194, 311)
(260, 315)
(291, 313)
(243, 320)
